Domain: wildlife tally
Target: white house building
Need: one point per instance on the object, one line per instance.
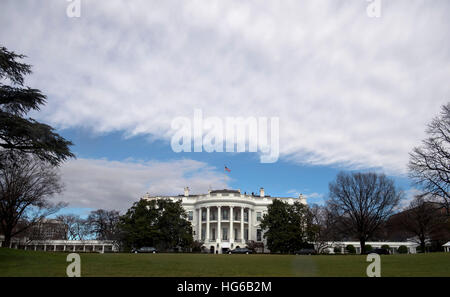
(338, 247)
(226, 219)
(447, 247)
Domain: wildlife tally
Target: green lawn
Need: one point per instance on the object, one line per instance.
(31, 263)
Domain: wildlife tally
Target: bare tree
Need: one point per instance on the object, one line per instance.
(421, 219)
(77, 228)
(104, 223)
(429, 164)
(365, 201)
(323, 227)
(26, 186)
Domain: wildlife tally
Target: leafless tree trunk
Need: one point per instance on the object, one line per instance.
(429, 164)
(26, 186)
(364, 200)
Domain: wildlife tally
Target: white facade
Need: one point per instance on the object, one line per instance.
(99, 246)
(447, 247)
(393, 246)
(226, 219)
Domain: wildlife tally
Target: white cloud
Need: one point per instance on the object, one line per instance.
(116, 185)
(311, 198)
(348, 89)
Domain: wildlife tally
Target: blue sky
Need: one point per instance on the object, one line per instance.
(351, 92)
(247, 173)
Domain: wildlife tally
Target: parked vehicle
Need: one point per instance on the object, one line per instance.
(145, 249)
(306, 252)
(240, 251)
(379, 251)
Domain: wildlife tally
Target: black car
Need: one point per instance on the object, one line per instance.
(305, 252)
(241, 251)
(379, 251)
(145, 249)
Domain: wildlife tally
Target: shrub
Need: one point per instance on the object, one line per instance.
(351, 249)
(369, 248)
(385, 246)
(337, 250)
(402, 249)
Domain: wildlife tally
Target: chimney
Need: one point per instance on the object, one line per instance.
(186, 192)
(261, 192)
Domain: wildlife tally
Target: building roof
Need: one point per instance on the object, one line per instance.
(225, 191)
(447, 244)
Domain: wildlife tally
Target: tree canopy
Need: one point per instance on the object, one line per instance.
(26, 186)
(364, 200)
(17, 132)
(429, 164)
(158, 223)
(286, 226)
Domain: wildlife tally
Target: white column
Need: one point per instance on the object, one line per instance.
(74, 247)
(250, 224)
(45, 247)
(242, 224)
(231, 224)
(84, 248)
(64, 248)
(207, 224)
(54, 248)
(199, 224)
(219, 221)
(35, 247)
(103, 249)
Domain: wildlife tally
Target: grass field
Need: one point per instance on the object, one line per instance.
(31, 263)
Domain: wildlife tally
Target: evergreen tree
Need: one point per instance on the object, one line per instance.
(158, 223)
(286, 226)
(17, 132)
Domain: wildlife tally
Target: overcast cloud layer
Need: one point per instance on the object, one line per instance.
(348, 89)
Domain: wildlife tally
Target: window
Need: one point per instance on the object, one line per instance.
(190, 215)
(246, 216)
(225, 214)
(203, 215)
(212, 216)
(246, 234)
(213, 234)
(203, 234)
(235, 233)
(258, 235)
(258, 216)
(225, 234)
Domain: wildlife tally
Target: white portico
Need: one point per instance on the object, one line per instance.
(226, 219)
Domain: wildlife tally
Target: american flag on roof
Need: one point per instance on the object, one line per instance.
(227, 169)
